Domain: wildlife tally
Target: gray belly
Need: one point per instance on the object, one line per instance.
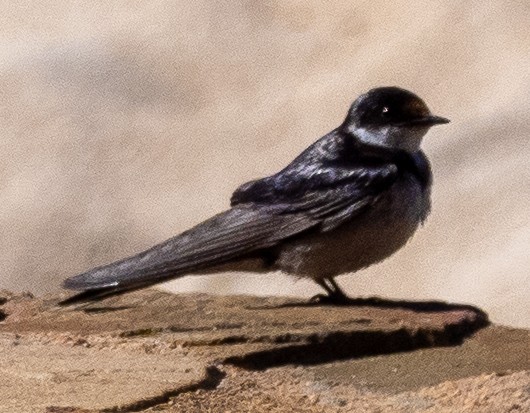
(366, 239)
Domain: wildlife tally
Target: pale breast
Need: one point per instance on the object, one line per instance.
(367, 239)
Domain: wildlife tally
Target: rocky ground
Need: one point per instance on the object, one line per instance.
(152, 351)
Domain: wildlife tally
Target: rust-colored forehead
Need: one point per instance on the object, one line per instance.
(416, 107)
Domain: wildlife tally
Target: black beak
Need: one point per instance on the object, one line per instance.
(429, 120)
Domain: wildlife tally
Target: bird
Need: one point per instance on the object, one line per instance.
(350, 200)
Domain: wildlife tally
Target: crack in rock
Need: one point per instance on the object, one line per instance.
(212, 379)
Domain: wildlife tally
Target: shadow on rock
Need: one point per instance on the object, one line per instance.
(340, 345)
(378, 302)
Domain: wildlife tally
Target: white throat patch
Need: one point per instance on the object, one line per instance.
(391, 137)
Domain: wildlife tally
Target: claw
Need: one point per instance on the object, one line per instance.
(319, 299)
(323, 299)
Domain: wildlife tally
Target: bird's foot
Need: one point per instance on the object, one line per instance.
(335, 299)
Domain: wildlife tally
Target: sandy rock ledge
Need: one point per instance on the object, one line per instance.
(153, 351)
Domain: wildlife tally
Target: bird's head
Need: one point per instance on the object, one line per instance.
(390, 117)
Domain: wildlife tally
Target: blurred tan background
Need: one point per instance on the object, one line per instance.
(123, 123)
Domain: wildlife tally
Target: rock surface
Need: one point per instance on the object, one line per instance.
(153, 351)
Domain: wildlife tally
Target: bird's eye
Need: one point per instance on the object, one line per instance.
(385, 109)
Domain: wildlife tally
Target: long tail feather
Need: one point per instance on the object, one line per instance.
(225, 238)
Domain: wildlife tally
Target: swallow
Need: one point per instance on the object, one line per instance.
(350, 200)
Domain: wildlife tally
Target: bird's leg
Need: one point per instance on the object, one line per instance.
(335, 295)
(325, 286)
(337, 290)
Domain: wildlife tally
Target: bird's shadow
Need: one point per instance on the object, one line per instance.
(431, 306)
